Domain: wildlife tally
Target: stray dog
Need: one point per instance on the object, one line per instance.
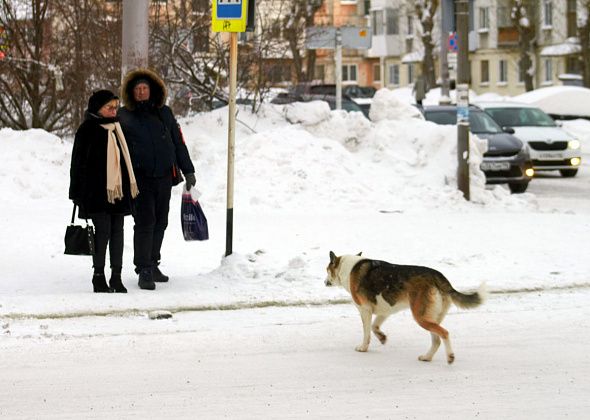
(381, 288)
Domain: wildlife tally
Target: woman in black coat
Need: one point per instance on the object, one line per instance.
(103, 185)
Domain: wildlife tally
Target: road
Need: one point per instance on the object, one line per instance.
(562, 193)
(519, 356)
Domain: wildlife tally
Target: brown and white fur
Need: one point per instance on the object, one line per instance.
(380, 288)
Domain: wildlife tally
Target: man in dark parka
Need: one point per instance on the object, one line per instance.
(157, 152)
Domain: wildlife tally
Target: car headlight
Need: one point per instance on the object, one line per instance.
(573, 144)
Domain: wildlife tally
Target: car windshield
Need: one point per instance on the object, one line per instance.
(521, 117)
(479, 121)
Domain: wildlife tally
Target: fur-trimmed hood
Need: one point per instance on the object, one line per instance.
(158, 91)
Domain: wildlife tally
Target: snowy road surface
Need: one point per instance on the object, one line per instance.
(520, 356)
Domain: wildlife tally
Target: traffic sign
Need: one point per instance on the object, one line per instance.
(229, 15)
(453, 42)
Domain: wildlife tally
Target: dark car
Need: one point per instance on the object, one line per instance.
(507, 160)
(347, 103)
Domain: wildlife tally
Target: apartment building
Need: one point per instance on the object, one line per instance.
(395, 57)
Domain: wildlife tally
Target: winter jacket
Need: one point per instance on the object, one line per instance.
(152, 133)
(88, 174)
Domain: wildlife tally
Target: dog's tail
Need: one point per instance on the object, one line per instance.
(469, 300)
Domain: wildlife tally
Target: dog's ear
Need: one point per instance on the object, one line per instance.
(360, 253)
(332, 257)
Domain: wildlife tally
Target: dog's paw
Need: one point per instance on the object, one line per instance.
(424, 358)
(380, 336)
(362, 348)
(451, 358)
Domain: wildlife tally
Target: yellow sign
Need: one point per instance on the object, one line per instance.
(229, 15)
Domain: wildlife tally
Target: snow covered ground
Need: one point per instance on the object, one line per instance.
(520, 356)
(332, 181)
(308, 180)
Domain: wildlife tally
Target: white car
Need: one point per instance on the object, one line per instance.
(550, 147)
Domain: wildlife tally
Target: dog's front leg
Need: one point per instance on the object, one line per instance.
(366, 316)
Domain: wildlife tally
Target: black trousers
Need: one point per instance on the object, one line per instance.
(108, 230)
(151, 220)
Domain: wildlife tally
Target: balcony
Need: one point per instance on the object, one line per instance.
(507, 37)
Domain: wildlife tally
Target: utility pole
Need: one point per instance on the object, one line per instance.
(445, 96)
(462, 10)
(338, 68)
(135, 35)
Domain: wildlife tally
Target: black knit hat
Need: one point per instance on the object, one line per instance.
(99, 99)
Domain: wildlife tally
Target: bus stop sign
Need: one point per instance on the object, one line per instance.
(229, 15)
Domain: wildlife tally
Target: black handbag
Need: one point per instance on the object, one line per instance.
(79, 240)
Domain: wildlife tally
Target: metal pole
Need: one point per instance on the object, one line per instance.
(462, 7)
(445, 96)
(338, 69)
(231, 139)
(135, 34)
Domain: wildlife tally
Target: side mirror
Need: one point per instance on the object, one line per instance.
(508, 130)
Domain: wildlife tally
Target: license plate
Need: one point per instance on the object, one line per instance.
(495, 166)
(550, 156)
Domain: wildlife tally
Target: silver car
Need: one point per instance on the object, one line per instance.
(551, 147)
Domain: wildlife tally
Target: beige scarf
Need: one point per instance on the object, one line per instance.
(114, 176)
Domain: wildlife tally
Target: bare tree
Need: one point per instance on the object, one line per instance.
(425, 10)
(523, 18)
(88, 49)
(57, 54)
(584, 35)
(300, 16)
(31, 78)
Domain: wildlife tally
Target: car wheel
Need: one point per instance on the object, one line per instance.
(568, 173)
(518, 188)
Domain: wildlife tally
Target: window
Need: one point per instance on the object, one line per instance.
(503, 71)
(572, 18)
(485, 71)
(392, 24)
(547, 13)
(410, 25)
(378, 22)
(521, 72)
(394, 74)
(503, 18)
(376, 73)
(548, 66)
(410, 73)
(484, 17)
(349, 73)
(319, 72)
(367, 4)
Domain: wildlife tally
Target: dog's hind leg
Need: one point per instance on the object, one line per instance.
(379, 319)
(420, 310)
(366, 315)
(433, 348)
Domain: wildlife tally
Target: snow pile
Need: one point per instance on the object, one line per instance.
(387, 106)
(332, 181)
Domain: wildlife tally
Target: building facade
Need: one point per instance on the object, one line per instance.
(395, 58)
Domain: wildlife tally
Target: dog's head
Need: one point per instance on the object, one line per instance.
(333, 279)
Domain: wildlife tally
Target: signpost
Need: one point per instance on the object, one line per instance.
(232, 16)
(331, 38)
(462, 8)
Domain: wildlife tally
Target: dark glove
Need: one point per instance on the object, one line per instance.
(191, 181)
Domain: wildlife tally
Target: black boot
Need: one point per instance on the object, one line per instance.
(146, 279)
(99, 283)
(158, 276)
(116, 283)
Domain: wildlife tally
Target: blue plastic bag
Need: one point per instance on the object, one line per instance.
(192, 218)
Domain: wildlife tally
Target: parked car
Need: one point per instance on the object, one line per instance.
(507, 160)
(356, 91)
(550, 147)
(347, 103)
